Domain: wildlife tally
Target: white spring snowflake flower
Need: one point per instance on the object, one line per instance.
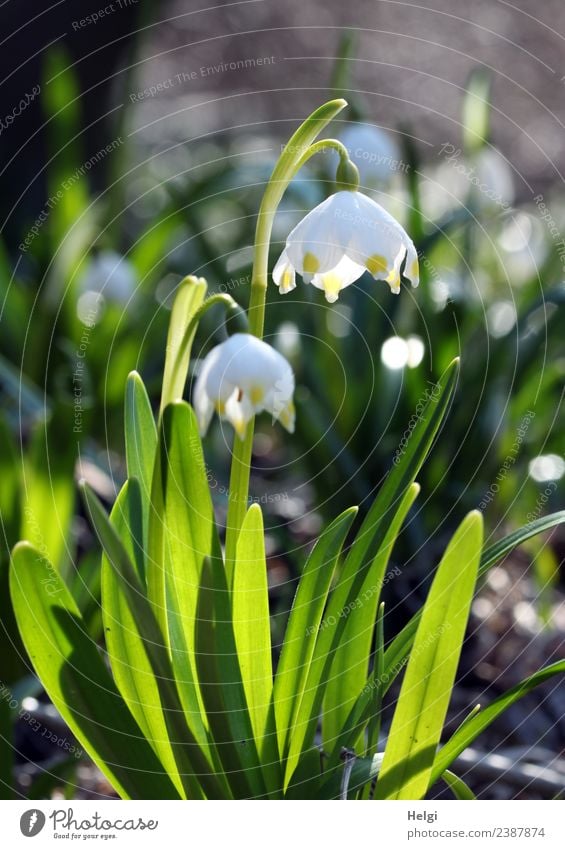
(241, 377)
(341, 238)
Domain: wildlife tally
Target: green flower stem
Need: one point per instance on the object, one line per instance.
(176, 369)
(298, 150)
(220, 298)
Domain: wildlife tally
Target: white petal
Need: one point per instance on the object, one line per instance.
(287, 417)
(332, 282)
(203, 405)
(219, 386)
(239, 412)
(411, 269)
(284, 275)
(279, 396)
(318, 242)
(378, 242)
(382, 245)
(241, 377)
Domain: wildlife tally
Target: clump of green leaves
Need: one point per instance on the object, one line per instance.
(182, 700)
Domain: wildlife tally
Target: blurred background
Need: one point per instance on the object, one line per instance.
(136, 141)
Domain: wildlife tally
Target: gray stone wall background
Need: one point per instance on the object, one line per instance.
(246, 64)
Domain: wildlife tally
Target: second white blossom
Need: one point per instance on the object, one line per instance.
(340, 239)
(241, 377)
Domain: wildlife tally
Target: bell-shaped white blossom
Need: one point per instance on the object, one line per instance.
(341, 238)
(241, 377)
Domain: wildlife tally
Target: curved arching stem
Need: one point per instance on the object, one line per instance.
(300, 147)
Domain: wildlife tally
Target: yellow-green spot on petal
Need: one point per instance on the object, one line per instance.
(332, 285)
(287, 415)
(376, 264)
(239, 426)
(220, 407)
(414, 269)
(310, 263)
(286, 280)
(256, 395)
(394, 283)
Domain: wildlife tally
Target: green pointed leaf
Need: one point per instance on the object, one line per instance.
(458, 787)
(399, 649)
(351, 660)
(189, 297)
(306, 779)
(468, 732)
(77, 681)
(130, 664)
(251, 622)
(141, 443)
(500, 549)
(426, 690)
(190, 536)
(221, 685)
(304, 623)
(366, 711)
(365, 548)
(194, 767)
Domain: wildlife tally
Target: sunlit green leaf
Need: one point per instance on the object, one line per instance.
(77, 681)
(369, 540)
(251, 622)
(131, 667)
(397, 652)
(468, 732)
(219, 676)
(188, 298)
(189, 756)
(426, 690)
(351, 660)
(303, 626)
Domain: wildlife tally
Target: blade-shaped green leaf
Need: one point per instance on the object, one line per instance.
(306, 779)
(366, 711)
(426, 690)
(476, 724)
(365, 548)
(397, 652)
(499, 549)
(251, 622)
(221, 685)
(190, 537)
(351, 660)
(458, 787)
(304, 623)
(77, 681)
(141, 443)
(130, 664)
(189, 297)
(194, 767)
(374, 725)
